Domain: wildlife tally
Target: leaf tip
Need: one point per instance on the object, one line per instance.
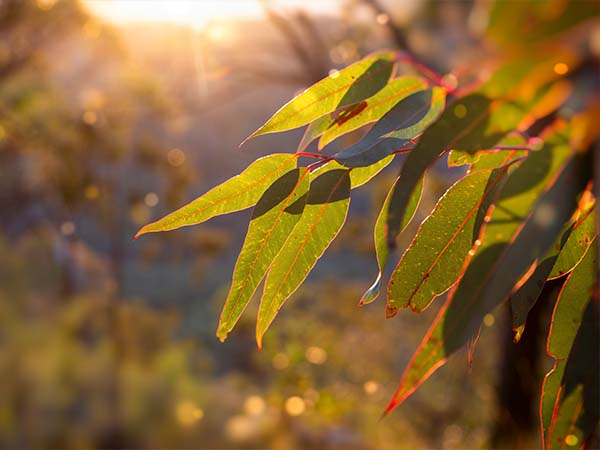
(518, 333)
(372, 293)
(252, 136)
(259, 338)
(221, 335)
(390, 311)
(391, 405)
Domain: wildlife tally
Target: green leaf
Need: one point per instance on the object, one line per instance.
(381, 248)
(235, 194)
(560, 260)
(434, 260)
(583, 232)
(455, 323)
(372, 109)
(533, 240)
(273, 218)
(403, 123)
(345, 87)
(569, 403)
(323, 217)
(463, 125)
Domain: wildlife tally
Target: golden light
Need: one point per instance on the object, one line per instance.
(281, 361)
(90, 117)
(561, 68)
(193, 13)
(295, 406)
(91, 192)
(187, 413)
(254, 405)
(196, 14)
(316, 355)
(371, 387)
(571, 440)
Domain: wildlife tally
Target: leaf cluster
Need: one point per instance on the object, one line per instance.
(523, 213)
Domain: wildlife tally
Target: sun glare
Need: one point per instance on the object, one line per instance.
(196, 14)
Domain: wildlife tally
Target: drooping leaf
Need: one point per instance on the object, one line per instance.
(534, 239)
(235, 194)
(396, 129)
(350, 85)
(463, 126)
(545, 170)
(381, 247)
(561, 259)
(273, 218)
(433, 261)
(372, 109)
(573, 250)
(323, 217)
(569, 403)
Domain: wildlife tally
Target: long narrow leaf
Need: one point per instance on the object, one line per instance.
(381, 248)
(403, 123)
(434, 260)
(569, 404)
(273, 218)
(453, 326)
(373, 108)
(560, 260)
(323, 217)
(235, 194)
(345, 87)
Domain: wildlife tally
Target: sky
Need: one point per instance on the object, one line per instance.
(194, 13)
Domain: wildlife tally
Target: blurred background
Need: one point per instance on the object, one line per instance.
(113, 113)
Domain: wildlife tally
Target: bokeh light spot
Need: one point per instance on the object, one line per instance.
(67, 228)
(91, 192)
(316, 355)
(188, 413)
(90, 117)
(281, 361)
(371, 387)
(382, 19)
(571, 440)
(176, 157)
(295, 406)
(460, 111)
(151, 199)
(488, 320)
(561, 68)
(254, 405)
